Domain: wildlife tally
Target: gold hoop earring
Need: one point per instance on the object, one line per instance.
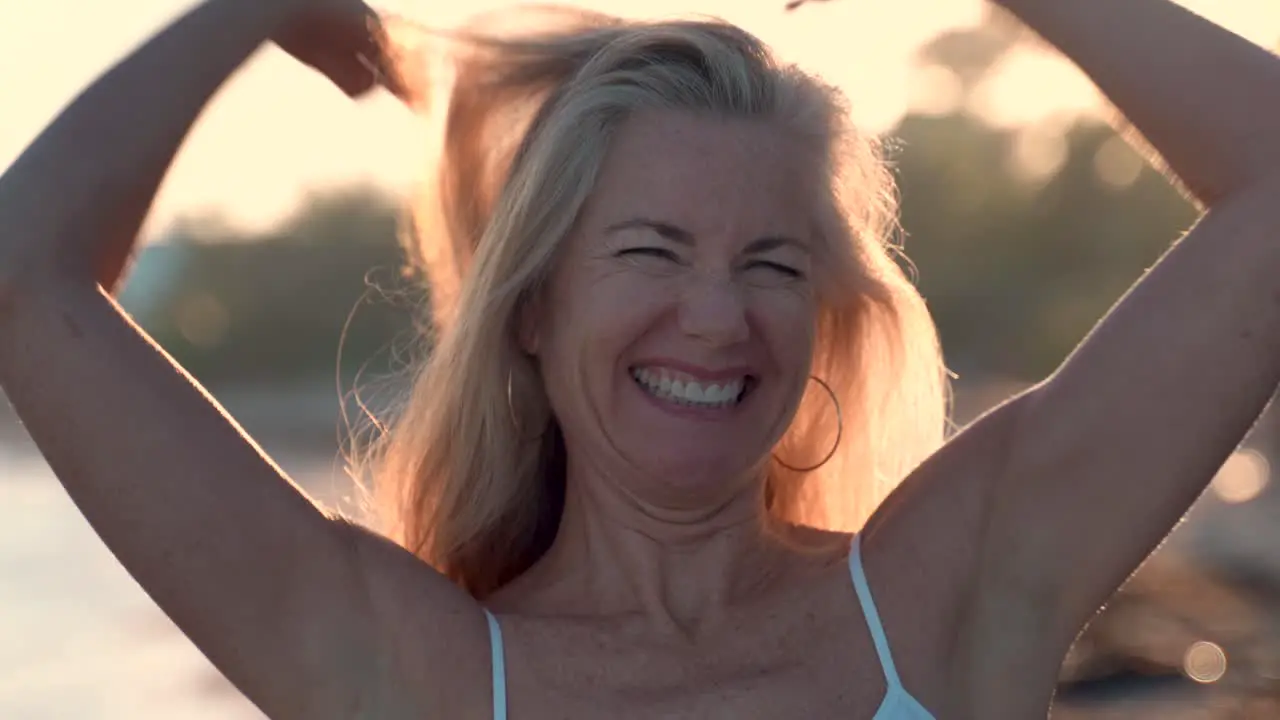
(511, 405)
(515, 419)
(839, 432)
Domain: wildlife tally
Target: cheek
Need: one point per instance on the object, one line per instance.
(616, 307)
(787, 318)
(586, 329)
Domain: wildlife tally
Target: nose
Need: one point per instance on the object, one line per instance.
(714, 311)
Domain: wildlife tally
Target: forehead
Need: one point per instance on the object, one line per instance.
(708, 174)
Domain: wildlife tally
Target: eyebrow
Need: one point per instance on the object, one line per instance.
(679, 235)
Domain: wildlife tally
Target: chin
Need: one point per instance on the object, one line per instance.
(701, 477)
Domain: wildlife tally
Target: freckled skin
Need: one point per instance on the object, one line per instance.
(72, 326)
(661, 596)
(620, 297)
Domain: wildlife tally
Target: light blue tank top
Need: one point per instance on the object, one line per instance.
(898, 704)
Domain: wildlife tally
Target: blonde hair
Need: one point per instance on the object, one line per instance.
(470, 474)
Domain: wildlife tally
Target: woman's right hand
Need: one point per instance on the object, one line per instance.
(310, 617)
(73, 203)
(344, 40)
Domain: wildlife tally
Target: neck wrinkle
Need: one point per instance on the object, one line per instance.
(679, 569)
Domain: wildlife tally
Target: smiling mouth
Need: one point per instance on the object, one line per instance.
(688, 392)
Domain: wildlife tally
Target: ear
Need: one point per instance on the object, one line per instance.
(529, 324)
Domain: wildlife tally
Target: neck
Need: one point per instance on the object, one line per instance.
(680, 569)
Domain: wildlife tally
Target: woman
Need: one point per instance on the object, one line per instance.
(662, 309)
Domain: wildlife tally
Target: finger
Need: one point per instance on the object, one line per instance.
(352, 78)
(342, 55)
(382, 72)
(358, 86)
(382, 62)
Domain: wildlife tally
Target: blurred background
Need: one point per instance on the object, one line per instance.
(272, 273)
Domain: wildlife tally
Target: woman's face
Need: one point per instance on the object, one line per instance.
(676, 335)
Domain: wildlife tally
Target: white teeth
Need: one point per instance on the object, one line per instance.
(687, 392)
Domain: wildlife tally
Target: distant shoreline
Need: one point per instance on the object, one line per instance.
(301, 417)
(307, 415)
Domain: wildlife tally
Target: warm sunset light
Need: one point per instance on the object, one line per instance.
(278, 130)
(682, 399)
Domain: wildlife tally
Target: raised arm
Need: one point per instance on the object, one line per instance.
(1114, 447)
(291, 604)
(1042, 509)
(1205, 99)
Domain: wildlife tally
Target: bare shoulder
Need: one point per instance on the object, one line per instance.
(433, 634)
(926, 552)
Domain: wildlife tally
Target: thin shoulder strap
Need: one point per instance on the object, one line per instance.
(872, 616)
(499, 667)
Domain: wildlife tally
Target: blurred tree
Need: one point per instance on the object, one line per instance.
(971, 53)
(1021, 240)
(276, 307)
(1016, 273)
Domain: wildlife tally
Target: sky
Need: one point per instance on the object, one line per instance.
(278, 130)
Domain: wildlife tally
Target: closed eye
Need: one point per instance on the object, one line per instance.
(655, 252)
(779, 268)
